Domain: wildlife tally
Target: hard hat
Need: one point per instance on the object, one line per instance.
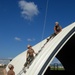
(29, 46)
(56, 22)
(10, 66)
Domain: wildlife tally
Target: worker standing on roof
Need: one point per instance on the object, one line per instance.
(29, 55)
(57, 29)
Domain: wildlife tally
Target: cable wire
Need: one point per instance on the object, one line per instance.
(45, 20)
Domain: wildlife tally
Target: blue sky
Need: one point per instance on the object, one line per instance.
(24, 22)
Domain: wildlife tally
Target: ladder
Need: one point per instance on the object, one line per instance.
(24, 68)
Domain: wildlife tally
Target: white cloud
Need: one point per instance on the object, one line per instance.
(29, 9)
(18, 39)
(29, 40)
